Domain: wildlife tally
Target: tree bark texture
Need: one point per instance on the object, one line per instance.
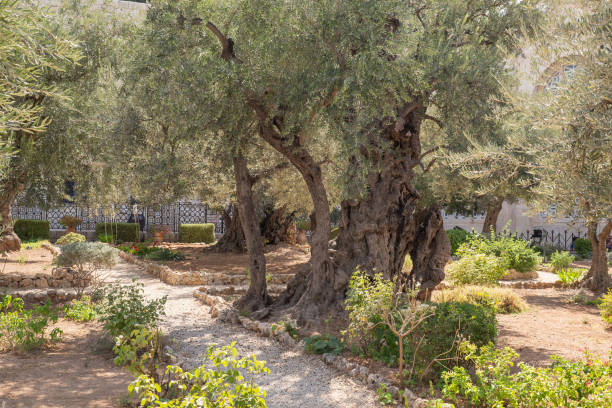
(598, 279)
(233, 238)
(9, 241)
(277, 226)
(493, 210)
(256, 296)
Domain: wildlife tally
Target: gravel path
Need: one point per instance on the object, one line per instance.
(295, 380)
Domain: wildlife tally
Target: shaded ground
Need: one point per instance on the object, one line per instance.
(554, 326)
(280, 259)
(68, 374)
(27, 262)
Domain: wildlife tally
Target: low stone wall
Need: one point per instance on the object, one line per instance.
(164, 273)
(59, 278)
(219, 308)
(42, 295)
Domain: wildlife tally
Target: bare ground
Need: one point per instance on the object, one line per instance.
(27, 262)
(280, 259)
(70, 373)
(554, 326)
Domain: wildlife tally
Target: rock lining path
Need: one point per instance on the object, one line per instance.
(295, 379)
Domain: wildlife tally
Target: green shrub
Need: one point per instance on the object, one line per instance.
(197, 233)
(456, 237)
(605, 307)
(24, 330)
(432, 343)
(80, 310)
(569, 276)
(120, 231)
(515, 253)
(504, 300)
(164, 254)
(140, 351)
(123, 309)
(583, 247)
(476, 269)
(570, 384)
(70, 238)
(29, 230)
(561, 260)
(106, 238)
(323, 343)
(219, 383)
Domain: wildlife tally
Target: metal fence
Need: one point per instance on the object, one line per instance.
(172, 215)
(559, 240)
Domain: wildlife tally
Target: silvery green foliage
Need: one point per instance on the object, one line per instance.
(87, 256)
(331, 69)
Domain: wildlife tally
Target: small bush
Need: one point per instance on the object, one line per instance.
(503, 300)
(165, 254)
(583, 247)
(605, 307)
(515, 253)
(219, 383)
(476, 269)
(323, 343)
(197, 233)
(30, 230)
(80, 310)
(430, 333)
(70, 238)
(456, 237)
(125, 308)
(561, 260)
(140, 352)
(25, 330)
(569, 276)
(120, 231)
(85, 258)
(571, 384)
(106, 238)
(70, 221)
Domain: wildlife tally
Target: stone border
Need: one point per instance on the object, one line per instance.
(221, 309)
(163, 272)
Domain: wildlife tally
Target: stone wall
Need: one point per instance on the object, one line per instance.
(59, 278)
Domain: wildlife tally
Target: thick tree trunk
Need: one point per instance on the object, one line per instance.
(493, 210)
(233, 237)
(256, 296)
(598, 279)
(9, 241)
(277, 226)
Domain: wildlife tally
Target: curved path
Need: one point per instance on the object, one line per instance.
(295, 379)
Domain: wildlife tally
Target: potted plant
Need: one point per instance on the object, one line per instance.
(70, 223)
(160, 232)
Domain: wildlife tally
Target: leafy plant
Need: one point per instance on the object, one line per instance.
(605, 307)
(85, 258)
(569, 276)
(456, 237)
(70, 221)
(583, 247)
(384, 397)
(561, 260)
(82, 310)
(124, 308)
(572, 384)
(220, 383)
(476, 269)
(323, 343)
(164, 254)
(140, 351)
(22, 329)
(106, 238)
(515, 253)
(70, 238)
(503, 300)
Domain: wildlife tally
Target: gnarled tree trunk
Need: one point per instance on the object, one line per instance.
(256, 296)
(493, 210)
(233, 237)
(9, 241)
(277, 226)
(598, 279)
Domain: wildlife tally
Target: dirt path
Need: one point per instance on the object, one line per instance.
(69, 374)
(554, 326)
(295, 380)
